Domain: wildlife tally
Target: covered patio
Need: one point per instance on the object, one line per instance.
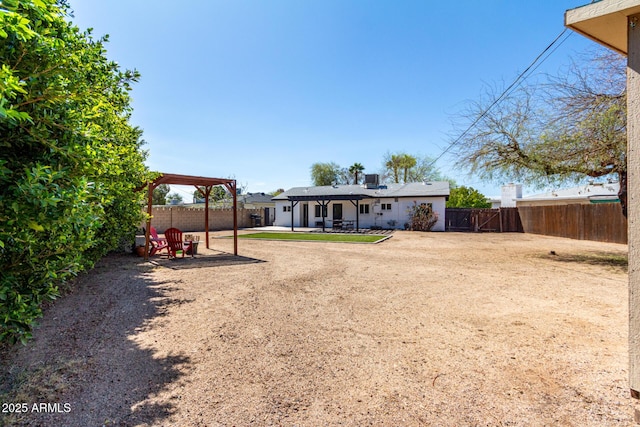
(323, 201)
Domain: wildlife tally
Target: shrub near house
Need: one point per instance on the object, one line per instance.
(422, 217)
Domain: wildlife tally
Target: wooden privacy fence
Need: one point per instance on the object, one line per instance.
(602, 222)
(498, 220)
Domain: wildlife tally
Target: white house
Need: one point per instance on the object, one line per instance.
(359, 206)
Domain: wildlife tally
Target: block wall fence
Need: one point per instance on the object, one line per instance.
(192, 219)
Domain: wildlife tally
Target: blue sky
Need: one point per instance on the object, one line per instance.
(261, 90)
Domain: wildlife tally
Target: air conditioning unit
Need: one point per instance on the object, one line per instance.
(371, 181)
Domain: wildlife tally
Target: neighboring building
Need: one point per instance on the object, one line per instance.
(259, 201)
(359, 206)
(508, 195)
(602, 192)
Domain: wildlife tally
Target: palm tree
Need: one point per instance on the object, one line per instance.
(407, 162)
(394, 164)
(355, 169)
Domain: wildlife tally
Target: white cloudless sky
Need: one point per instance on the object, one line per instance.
(260, 90)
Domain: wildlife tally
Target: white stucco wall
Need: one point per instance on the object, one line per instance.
(396, 217)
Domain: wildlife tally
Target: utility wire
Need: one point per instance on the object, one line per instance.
(521, 77)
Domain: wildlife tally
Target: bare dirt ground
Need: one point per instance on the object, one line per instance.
(437, 329)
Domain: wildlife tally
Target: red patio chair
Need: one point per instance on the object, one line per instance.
(157, 243)
(175, 242)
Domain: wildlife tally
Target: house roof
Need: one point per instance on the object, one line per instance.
(255, 198)
(359, 192)
(604, 22)
(595, 191)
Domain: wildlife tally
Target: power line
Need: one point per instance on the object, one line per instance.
(521, 77)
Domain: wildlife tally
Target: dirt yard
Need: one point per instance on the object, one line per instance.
(424, 329)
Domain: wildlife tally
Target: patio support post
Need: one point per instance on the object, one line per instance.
(207, 193)
(292, 205)
(323, 212)
(235, 217)
(147, 229)
(357, 205)
(232, 187)
(633, 205)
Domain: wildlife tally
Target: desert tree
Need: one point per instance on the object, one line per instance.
(558, 129)
(424, 170)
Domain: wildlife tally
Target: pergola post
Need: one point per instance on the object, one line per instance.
(235, 218)
(233, 189)
(633, 200)
(147, 229)
(207, 193)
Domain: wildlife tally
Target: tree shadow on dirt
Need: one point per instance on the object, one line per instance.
(85, 358)
(615, 260)
(221, 259)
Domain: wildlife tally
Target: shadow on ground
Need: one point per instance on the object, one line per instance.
(84, 359)
(614, 260)
(221, 259)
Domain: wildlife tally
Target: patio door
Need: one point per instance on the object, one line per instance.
(305, 215)
(337, 211)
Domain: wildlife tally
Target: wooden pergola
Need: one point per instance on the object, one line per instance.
(204, 185)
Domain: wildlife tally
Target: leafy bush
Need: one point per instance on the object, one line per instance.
(69, 159)
(422, 217)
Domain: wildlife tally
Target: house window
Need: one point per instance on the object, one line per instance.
(286, 209)
(319, 209)
(386, 206)
(364, 209)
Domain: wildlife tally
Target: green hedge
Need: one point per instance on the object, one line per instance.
(69, 158)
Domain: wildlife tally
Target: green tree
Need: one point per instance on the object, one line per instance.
(218, 193)
(325, 173)
(159, 196)
(566, 128)
(467, 197)
(69, 159)
(174, 196)
(356, 169)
